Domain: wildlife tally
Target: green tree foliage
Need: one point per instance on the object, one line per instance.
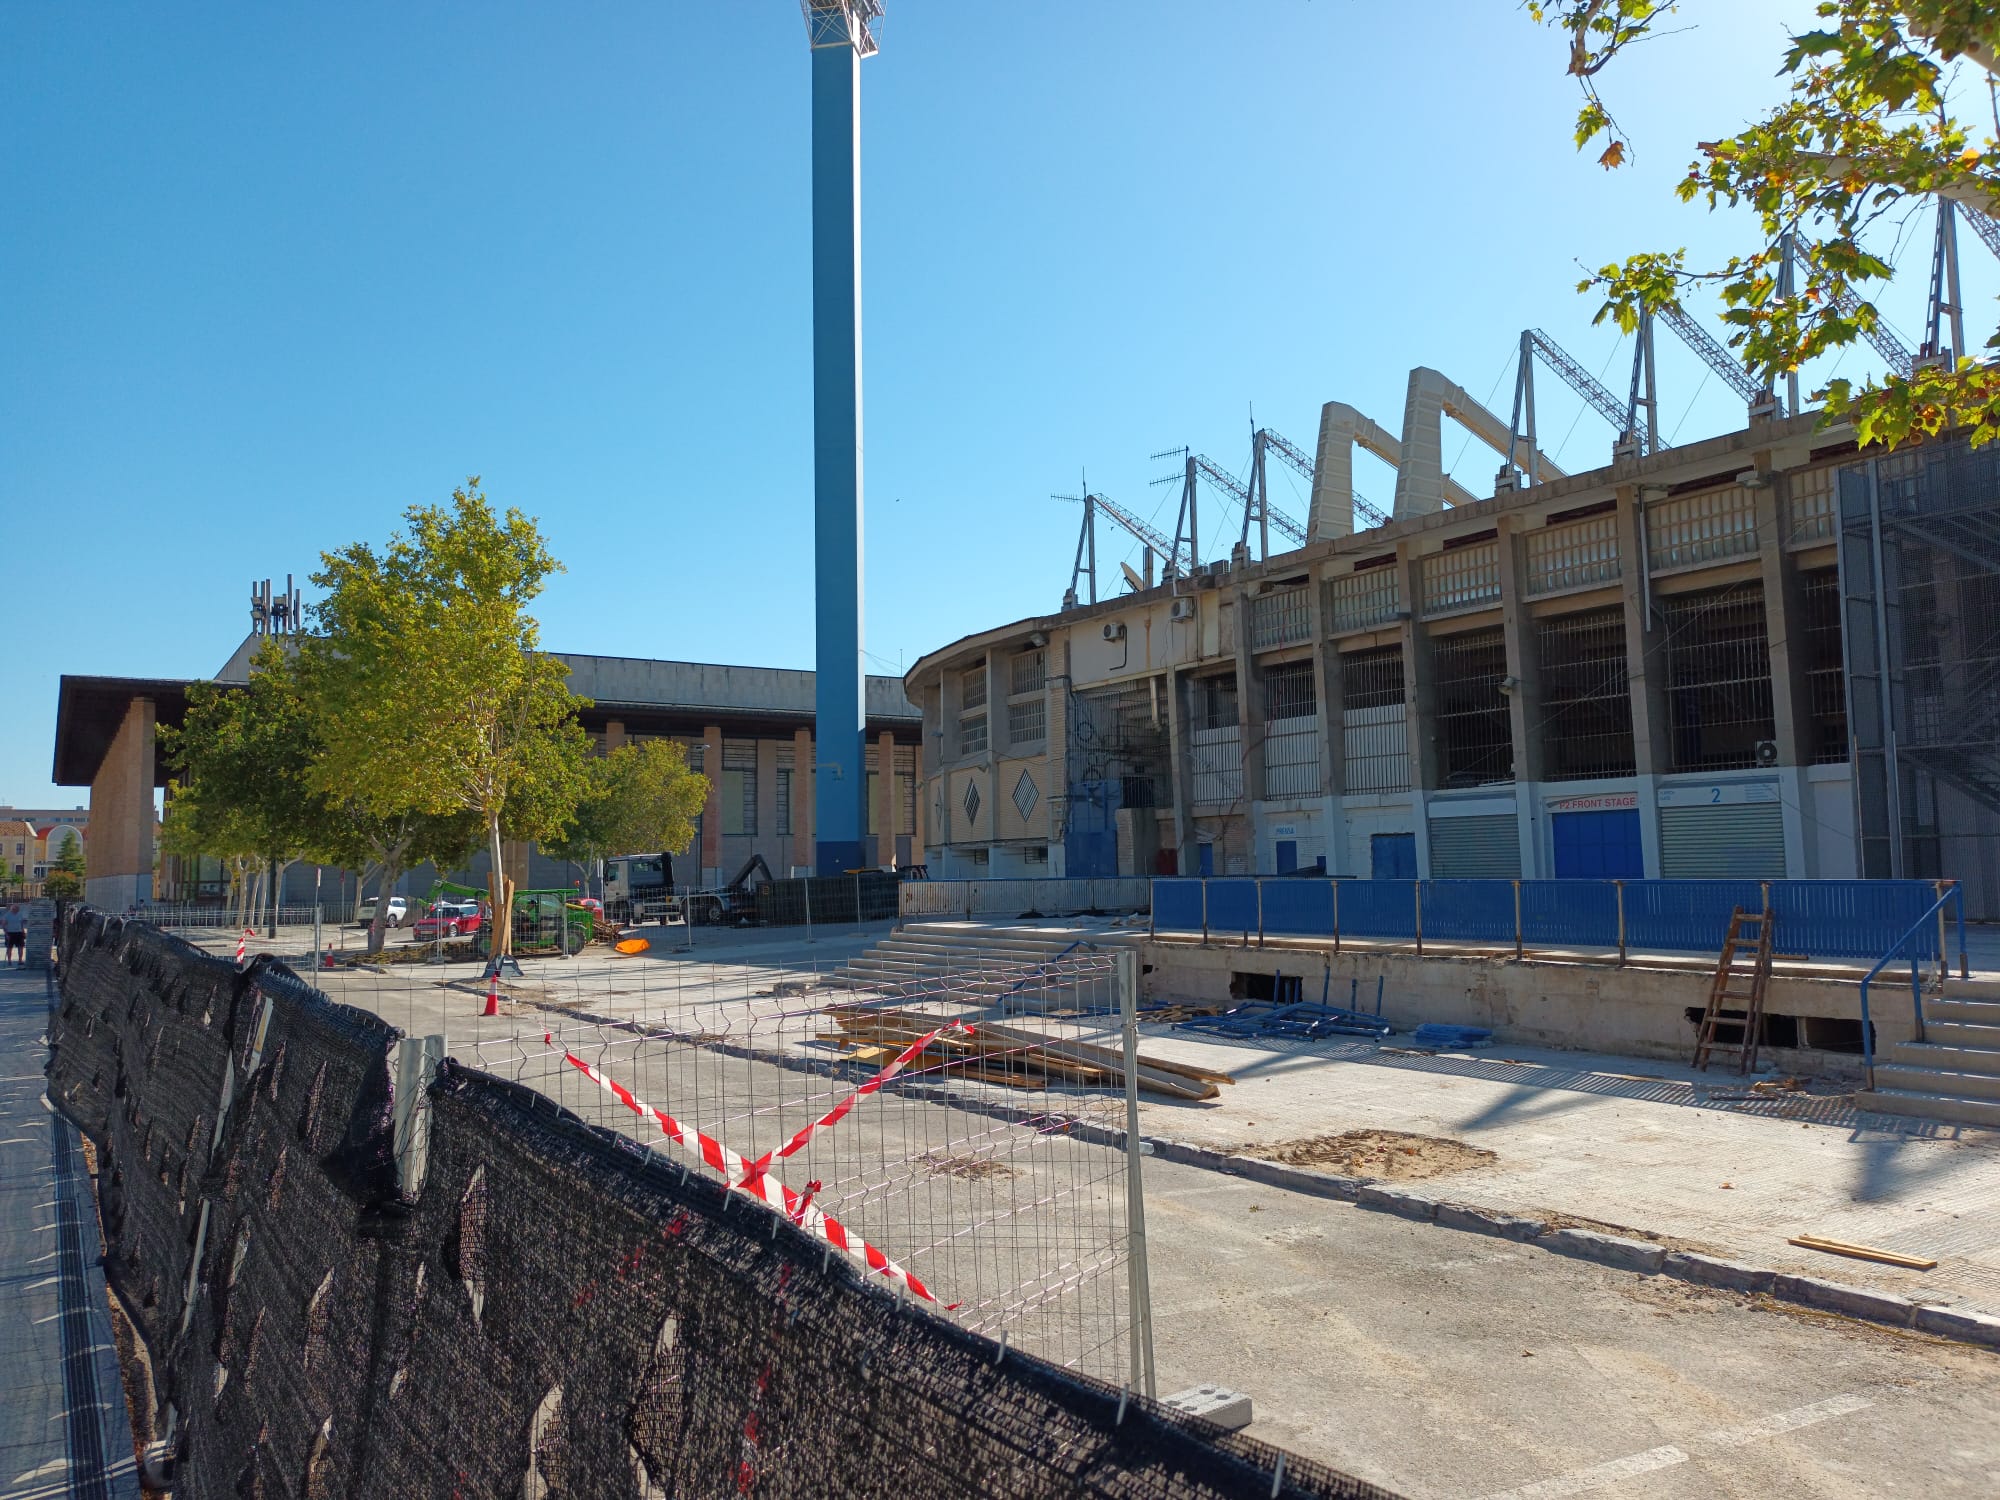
(1866, 134)
(248, 788)
(437, 700)
(640, 798)
(64, 881)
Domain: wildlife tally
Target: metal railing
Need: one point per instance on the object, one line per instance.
(1824, 919)
(1946, 897)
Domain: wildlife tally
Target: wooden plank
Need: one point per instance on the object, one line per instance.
(1861, 1252)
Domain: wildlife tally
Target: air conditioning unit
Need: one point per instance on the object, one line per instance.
(1767, 752)
(1114, 630)
(1181, 609)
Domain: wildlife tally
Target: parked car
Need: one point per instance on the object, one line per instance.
(398, 913)
(450, 919)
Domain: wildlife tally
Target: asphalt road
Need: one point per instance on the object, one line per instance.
(1451, 1366)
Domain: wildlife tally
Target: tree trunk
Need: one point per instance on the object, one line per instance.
(503, 895)
(391, 873)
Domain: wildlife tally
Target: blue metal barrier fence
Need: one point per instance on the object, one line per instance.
(1812, 918)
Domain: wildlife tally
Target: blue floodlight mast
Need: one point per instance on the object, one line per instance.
(841, 34)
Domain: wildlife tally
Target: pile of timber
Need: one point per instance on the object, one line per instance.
(1006, 1054)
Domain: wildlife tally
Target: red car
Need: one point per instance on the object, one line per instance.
(450, 919)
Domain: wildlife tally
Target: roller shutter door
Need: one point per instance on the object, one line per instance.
(1741, 842)
(1482, 848)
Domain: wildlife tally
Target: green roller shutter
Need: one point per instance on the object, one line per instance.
(1487, 847)
(1744, 841)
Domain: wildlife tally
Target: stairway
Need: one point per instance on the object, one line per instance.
(983, 959)
(1954, 1073)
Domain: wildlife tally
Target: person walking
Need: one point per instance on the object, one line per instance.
(15, 921)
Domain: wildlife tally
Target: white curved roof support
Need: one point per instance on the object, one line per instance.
(1422, 486)
(1341, 428)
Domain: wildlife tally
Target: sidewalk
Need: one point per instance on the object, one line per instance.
(1640, 1145)
(63, 1428)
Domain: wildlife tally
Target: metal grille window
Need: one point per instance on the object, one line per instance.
(972, 710)
(1215, 701)
(1027, 673)
(1291, 732)
(1475, 738)
(1580, 555)
(972, 734)
(1691, 529)
(1027, 723)
(784, 809)
(906, 782)
(1586, 708)
(1280, 618)
(1375, 742)
(1463, 578)
(739, 787)
(1809, 509)
(1826, 685)
(1371, 596)
(972, 687)
(1718, 678)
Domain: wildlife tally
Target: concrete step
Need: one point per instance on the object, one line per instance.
(1929, 1106)
(1942, 1057)
(1961, 1033)
(1951, 1080)
(1956, 1008)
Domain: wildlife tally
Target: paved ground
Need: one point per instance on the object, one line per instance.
(1445, 1364)
(63, 1430)
(1450, 1366)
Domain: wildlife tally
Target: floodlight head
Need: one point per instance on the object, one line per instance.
(842, 23)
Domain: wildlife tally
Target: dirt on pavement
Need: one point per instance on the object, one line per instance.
(1392, 1155)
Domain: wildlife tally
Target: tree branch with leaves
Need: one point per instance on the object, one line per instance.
(1868, 133)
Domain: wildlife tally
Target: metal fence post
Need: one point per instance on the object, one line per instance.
(318, 938)
(1944, 952)
(1620, 885)
(1139, 1293)
(1958, 907)
(1260, 917)
(1336, 915)
(1517, 919)
(1152, 909)
(1417, 891)
(1204, 911)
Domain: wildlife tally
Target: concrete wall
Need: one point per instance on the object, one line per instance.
(1636, 1012)
(706, 685)
(118, 855)
(1012, 898)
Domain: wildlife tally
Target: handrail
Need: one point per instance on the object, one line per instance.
(1916, 987)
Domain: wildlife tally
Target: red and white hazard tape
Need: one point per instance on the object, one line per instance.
(833, 1117)
(751, 1180)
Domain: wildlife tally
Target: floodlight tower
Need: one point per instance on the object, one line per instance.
(840, 33)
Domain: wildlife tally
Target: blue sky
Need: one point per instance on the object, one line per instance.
(273, 274)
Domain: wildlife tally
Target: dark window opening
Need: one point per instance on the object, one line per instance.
(1718, 678)
(1826, 687)
(1282, 989)
(1586, 708)
(1475, 737)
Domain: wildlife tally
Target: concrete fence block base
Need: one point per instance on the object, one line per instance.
(1960, 1323)
(1388, 1200)
(1837, 1296)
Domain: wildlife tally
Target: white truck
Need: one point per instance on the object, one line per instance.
(639, 889)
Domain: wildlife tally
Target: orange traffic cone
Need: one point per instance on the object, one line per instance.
(492, 993)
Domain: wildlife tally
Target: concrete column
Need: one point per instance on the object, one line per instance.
(1250, 720)
(614, 735)
(802, 798)
(1056, 804)
(1524, 705)
(711, 815)
(1646, 676)
(1181, 750)
(885, 769)
(1791, 694)
(1332, 743)
(1419, 704)
(767, 842)
(118, 850)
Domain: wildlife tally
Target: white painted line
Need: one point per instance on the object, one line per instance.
(1579, 1481)
(1784, 1421)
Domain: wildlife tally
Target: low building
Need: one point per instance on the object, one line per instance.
(1762, 655)
(749, 729)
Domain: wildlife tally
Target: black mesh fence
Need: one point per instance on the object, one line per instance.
(552, 1311)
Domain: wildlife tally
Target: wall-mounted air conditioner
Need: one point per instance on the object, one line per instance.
(1181, 609)
(1114, 630)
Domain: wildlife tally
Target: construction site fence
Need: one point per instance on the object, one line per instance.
(351, 1282)
(833, 900)
(1820, 919)
(1024, 897)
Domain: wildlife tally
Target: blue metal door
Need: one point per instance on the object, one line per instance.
(1393, 856)
(1288, 856)
(1207, 856)
(1598, 845)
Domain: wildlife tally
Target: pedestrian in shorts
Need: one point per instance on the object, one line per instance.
(15, 921)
